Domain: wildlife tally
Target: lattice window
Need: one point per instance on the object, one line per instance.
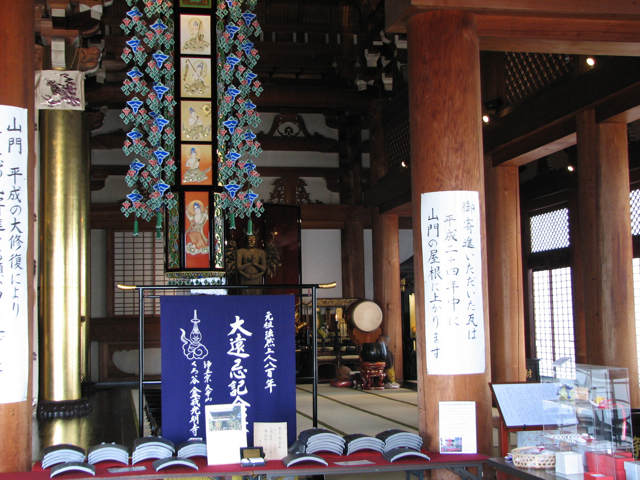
(397, 145)
(527, 72)
(635, 212)
(137, 261)
(550, 231)
(553, 313)
(634, 197)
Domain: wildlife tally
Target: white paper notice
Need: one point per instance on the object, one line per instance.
(272, 437)
(532, 404)
(15, 352)
(458, 427)
(452, 266)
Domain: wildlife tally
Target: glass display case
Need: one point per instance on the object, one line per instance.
(592, 416)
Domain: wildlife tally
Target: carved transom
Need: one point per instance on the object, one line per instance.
(288, 125)
(278, 194)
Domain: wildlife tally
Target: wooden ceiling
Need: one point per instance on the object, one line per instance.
(313, 55)
(589, 27)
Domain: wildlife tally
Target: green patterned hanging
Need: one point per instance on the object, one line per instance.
(236, 113)
(150, 109)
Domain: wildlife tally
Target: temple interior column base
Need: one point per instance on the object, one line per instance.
(48, 409)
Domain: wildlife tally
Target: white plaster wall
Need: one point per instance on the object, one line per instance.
(321, 260)
(406, 244)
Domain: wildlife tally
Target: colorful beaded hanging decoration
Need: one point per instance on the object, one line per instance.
(152, 138)
(237, 115)
(150, 110)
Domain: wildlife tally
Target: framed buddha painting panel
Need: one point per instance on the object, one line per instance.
(196, 118)
(197, 230)
(195, 77)
(196, 3)
(195, 34)
(196, 164)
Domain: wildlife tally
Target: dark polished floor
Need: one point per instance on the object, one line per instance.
(112, 419)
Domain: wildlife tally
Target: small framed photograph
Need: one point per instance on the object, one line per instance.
(195, 34)
(195, 77)
(226, 433)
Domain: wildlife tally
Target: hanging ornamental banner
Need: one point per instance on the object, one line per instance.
(60, 90)
(15, 352)
(452, 267)
(149, 110)
(221, 350)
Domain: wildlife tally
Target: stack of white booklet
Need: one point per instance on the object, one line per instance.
(62, 453)
(108, 451)
(146, 448)
(402, 452)
(359, 441)
(172, 462)
(321, 440)
(193, 447)
(72, 467)
(396, 438)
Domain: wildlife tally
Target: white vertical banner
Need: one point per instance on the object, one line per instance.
(15, 351)
(452, 267)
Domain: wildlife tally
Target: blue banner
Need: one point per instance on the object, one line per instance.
(227, 350)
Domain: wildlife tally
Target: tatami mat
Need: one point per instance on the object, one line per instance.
(345, 410)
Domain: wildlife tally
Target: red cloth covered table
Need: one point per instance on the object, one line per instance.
(361, 462)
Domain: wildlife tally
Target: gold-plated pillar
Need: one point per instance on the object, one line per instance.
(63, 175)
(85, 265)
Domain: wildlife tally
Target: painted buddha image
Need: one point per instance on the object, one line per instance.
(193, 172)
(195, 80)
(194, 128)
(197, 237)
(197, 42)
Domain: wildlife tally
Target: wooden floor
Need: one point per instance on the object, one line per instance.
(112, 420)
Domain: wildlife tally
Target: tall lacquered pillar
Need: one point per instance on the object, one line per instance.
(446, 155)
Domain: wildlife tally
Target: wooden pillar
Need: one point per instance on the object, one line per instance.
(506, 308)
(290, 184)
(446, 154)
(605, 232)
(17, 54)
(353, 260)
(386, 282)
(577, 264)
(386, 247)
(350, 159)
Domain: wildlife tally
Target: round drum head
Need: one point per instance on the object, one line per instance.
(366, 316)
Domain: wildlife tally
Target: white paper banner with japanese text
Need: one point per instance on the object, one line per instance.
(452, 266)
(14, 232)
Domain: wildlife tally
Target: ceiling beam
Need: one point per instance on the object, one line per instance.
(546, 122)
(580, 36)
(608, 27)
(539, 126)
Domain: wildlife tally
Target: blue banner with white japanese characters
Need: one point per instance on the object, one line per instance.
(227, 350)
